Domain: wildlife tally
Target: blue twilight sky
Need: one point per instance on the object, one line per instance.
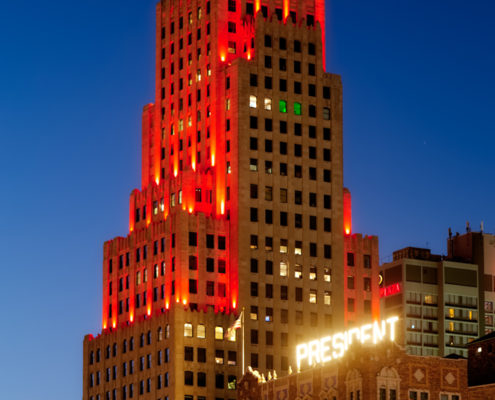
(419, 96)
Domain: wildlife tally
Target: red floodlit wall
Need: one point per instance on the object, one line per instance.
(187, 182)
(347, 212)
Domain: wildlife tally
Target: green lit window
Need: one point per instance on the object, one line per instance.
(282, 105)
(297, 109)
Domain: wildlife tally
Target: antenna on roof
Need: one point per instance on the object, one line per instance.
(468, 228)
(482, 227)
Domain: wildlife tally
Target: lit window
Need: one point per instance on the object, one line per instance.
(189, 121)
(268, 103)
(219, 354)
(297, 109)
(252, 101)
(181, 125)
(298, 248)
(282, 106)
(218, 333)
(180, 196)
(198, 76)
(298, 274)
(227, 104)
(232, 335)
(327, 298)
(138, 278)
(201, 331)
(312, 296)
(172, 200)
(188, 330)
(283, 246)
(327, 277)
(284, 268)
(155, 207)
(208, 70)
(162, 204)
(451, 313)
(312, 273)
(254, 313)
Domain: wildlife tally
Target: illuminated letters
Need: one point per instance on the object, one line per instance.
(334, 347)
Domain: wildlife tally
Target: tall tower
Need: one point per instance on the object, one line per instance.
(240, 206)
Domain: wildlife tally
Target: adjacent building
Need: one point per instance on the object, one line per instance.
(437, 300)
(478, 248)
(240, 209)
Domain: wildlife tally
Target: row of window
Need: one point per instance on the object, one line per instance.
(284, 196)
(284, 293)
(298, 249)
(298, 219)
(142, 253)
(351, 260)
(284, 270)
(144, 386)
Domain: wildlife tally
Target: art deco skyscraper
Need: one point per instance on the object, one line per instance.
(240, 206)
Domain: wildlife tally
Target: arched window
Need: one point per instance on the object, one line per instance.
(188, 330)
(160, 334)
(354, 385)
(388, 384)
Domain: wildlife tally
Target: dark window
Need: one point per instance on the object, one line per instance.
(326, 92)
(268, 82)
(269, 291)
(253, 122)
(297, 46)
(299, 294)
(268, 146)
(283, 126)
(311, 69)
(268, 41)
(297, 87)
(254, 336)
(327, 224)
(327, 175)
(268, 124)
(254, 289)
(188, 354)
(311, 49)
(297, 67)
(193, 239)
(282, 64)
(282, 43)
(269, 267)
(254, 265)
(283, 85)
(254, 191)
(283, 148)
(253, 80)
(268, 61)
(210, 241)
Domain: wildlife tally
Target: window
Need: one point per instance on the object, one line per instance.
(326, 113)
(327, 298)
(253, 80)
(282, 106)
(350, 259)
(268, 103)
(218, 333)
(268, 82)
(253, 165)
(312, 296)
(284, 268)
(297, 108)
(313, 276)
(219, 355)
(188, 330)
(418, 395)
(252, 101)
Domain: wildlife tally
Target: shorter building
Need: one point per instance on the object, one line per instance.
(478, 248)
(436, 299)
(361, 271)
(382, 372)
(481, 368)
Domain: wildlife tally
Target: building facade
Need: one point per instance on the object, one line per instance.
(240, 207)
(437, 301)
(383, 372)
(478, 248)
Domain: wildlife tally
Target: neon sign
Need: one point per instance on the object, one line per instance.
(334, 347)
(390, 290)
